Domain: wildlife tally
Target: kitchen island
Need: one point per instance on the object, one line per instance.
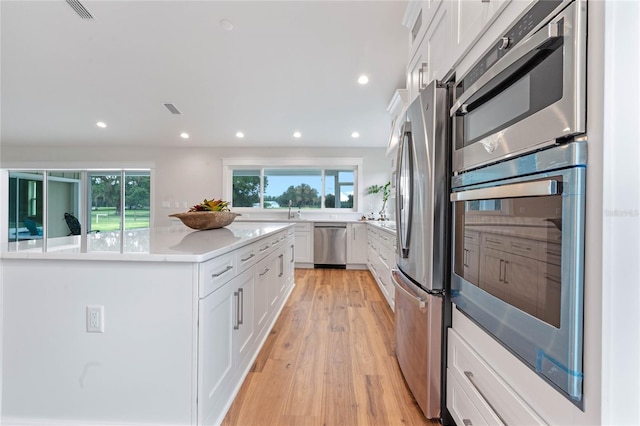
(153, 326)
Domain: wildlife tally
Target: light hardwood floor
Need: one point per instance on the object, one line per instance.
(329, 360)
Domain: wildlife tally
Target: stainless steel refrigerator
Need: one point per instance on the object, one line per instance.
(422, 210)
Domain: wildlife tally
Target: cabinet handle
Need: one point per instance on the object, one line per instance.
(491, 240)
(506, 264)
(469, 376)
(467, 422)
(465, 258)
(241, 320)
(500, 271)
(486, 1)
(264, 248)
(421, 71)
(520, 246)
(247, 258)
(227, 269)
(281, 265)
(264, 272)
(293, 251)
(236, 294)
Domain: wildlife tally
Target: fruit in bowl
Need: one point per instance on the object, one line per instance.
(210, 214)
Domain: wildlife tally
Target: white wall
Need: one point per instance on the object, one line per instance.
(181, 175)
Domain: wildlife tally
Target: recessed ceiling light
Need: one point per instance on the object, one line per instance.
(363, 79)
(184, 135)
(355, 135)
(101, 124)
(226, 25)
(297, 134)
(239, 135)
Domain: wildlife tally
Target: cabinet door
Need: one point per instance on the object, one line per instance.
(356, 243)
(304, 252)
(440, 56)
(261, 294)
(244, 326)
(215, 348)
(471, 262)
(521, 279)
(273, 280)
(492, 272)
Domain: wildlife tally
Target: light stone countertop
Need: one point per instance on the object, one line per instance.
(172, 244)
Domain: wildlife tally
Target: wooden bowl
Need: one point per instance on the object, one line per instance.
(206, 219)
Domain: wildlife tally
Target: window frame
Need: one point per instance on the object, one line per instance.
(355, 164)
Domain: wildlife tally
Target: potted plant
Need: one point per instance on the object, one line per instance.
(386, 191)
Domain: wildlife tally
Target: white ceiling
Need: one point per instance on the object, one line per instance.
(285, 66)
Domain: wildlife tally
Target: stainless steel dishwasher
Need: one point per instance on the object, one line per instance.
(330, 245)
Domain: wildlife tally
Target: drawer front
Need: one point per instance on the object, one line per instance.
(215, 273)
(471, 237)
(461, 408)
(487, 391)
(246, 257)
(303, 227)
(550, 252)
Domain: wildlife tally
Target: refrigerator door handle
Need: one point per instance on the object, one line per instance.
(405, 183)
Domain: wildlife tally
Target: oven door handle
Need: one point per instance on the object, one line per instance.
(537, 188)
(538, 41)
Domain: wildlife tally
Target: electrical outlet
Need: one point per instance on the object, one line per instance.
(95, 319)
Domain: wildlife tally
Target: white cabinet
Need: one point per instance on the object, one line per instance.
(381, 258)
(356, 243)
(476, 393)
(215, 351)
(304, 244)
(433, 57)
(472, 17)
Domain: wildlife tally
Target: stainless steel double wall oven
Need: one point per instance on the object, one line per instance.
(518, 191)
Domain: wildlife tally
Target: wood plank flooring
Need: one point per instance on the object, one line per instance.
(329, 360)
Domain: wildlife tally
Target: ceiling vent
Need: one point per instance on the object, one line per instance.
(172, 109)
(80, 9)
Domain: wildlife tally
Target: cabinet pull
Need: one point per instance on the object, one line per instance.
(467, 422)
(281, 265)
(236, 294)
(421, 79)
(486, 1)
(469, 376)
(506, 264)
(520, 246)
(465, 257)
(264, 272)
(293, 251)
(264, 248)
(500, 271)
(241, 319)
(247, 258)
(491, 240)
(227, 269)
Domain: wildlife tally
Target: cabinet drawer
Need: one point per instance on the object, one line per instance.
(215, 273)
(471, 237)
(487, 391)
(303, 227)
(247, 257)
(461, 407)
(550, 252)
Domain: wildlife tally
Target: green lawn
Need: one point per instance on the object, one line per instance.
(105, 219)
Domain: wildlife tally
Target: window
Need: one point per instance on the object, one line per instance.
(62, 193)
(279, 184)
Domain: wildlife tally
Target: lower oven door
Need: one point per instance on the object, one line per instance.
(418, 332)
(518, 268)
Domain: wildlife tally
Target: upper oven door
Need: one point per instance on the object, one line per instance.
(522, 98)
